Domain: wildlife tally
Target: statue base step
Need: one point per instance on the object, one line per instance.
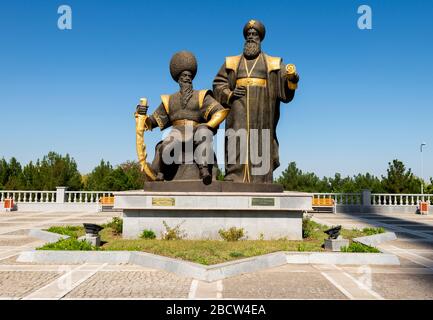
(215, 186)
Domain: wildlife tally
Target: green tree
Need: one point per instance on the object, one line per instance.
(4, 173)
(126, 176)
(339, 184)
(429, 187)
(295, 180)
(14, 173)
(399, 179)
(31, 177)
(368, 181)
(56, 170)
(96, 179)
(116, 180)
(136, 178)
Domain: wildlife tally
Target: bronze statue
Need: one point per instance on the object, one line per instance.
(191, 113)
(252, 85)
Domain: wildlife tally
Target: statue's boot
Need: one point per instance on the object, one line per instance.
(205, 176)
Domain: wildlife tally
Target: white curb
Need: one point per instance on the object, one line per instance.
(376, 239)
(202, 272)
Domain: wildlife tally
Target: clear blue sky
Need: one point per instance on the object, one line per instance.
(365, 96)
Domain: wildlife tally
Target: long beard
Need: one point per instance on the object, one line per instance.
(186, 92)
(252, 49)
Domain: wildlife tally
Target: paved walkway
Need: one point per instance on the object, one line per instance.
(412, 280)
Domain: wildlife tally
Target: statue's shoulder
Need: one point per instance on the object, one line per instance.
(232, 62)
(201, 95)
(272, 63)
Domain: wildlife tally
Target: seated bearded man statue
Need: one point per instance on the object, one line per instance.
(194, 116)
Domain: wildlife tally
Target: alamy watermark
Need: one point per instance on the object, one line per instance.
(64, 22)
(365, 21)
(191, 145)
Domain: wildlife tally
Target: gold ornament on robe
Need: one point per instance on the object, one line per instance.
(142, 124)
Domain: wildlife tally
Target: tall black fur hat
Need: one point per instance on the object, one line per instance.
(255, 24)
(183, 61)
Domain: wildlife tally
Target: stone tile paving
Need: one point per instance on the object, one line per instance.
(16, 242)
(12, 261)
(135, 284)
(419, 244)
(403, 286)
(280, 285)
(406, 263)
(286, 282)
(19, 284)
(21, 232)
(405, 235)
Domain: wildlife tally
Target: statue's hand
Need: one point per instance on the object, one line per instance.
(293, 78)
(142, 110)
(239, 92)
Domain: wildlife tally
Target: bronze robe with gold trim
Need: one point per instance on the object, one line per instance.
(200, 108)
(264, 109)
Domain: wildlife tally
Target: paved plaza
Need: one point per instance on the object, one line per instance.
(412, 280)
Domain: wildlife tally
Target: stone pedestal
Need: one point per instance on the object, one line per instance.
(336, 244)
(92, 239)
(202, 214)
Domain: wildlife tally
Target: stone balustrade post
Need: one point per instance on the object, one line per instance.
(60, 194)
(366, 200)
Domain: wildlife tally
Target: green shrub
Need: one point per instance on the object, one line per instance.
(68, 244)
(359, 247)
(301, 247)
(232, 234)
(116, 224)
(71, 231)
(371, 231)
(148, 234)
(236, 254)
(307, 227)
(173, 233)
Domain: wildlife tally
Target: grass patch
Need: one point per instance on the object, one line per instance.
(209, 252)
(372, 231)
(72, 231)
(68, 244)
(359, 247)
(205, 252)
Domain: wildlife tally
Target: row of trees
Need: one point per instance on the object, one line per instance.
(57, 170)
(53, 170)
(397, 180)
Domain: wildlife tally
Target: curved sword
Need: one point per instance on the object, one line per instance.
(141, 126)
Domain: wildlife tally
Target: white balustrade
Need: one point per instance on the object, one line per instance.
(341, 198)
(346, 199)
(86, 196)
(24, 196)
(387, 199)
(21, 196)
